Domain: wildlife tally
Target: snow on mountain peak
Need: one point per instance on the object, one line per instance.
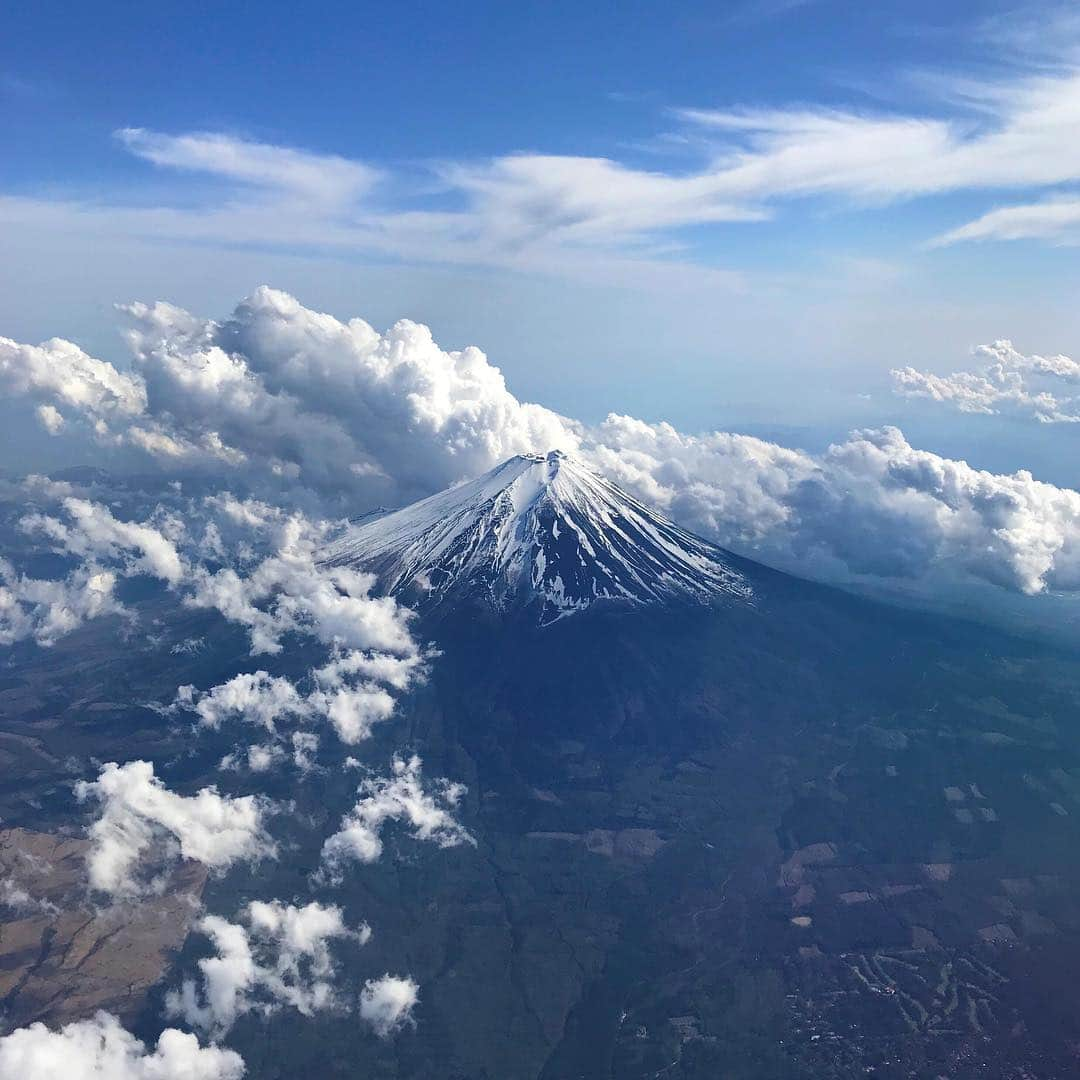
(540, 531)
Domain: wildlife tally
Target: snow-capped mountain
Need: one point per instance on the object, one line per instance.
(543, 532)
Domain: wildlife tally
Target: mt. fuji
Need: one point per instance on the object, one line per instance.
(538, 532)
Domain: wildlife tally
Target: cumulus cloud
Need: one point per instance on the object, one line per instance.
(47, 610)
(255, 564)
(887, 508)
(373, 654)
(290, 592)
(108, 549)
(276, 955)
(352, 691)
(101, 1048)
(1007, 382)
(143, 826)
(398, 797)
(731, 488)
(304, 745)
(258, 758)
(50, 418)
(257, 698)
(352, 704)
(284, 393)
(94, 533)
(58, 373)
(352, 707)
(387, 1003)
(872, 505)
(343, 412)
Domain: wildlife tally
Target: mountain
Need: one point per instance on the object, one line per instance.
(539, 532)
(780, 832)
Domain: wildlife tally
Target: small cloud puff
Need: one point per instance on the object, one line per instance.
(387, 1004)
(1007, 383)
(398, 797)
(143, 826)
(276, 955)
(47, 610)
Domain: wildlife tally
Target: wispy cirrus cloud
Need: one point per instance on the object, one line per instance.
(1012, 134)
(1054, 220)
(324, 178)
(580, 214)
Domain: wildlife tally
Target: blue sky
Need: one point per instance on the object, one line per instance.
(732, 215)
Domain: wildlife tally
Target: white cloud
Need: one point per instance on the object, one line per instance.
(95, 534)
(887, 508)
(256, 698)
(101, 1049)
(327, 394)
(15, 897)
(399, 797)
(574, 213)
(354, 705)
(387, 1003)
(143, 826)
(57, 372)
(400, 672)
(50, 418)
(258, 758)
(278, 954)
(321, 178)
(1056, 220)
(1006, 135)
(1017, 133)
(341, 405)
(1008, 382)
(732, 488)
(279, 392)
(47, 610)
(304, 745)
(290, 592)
(351, 703)
(530, 198)
(873, 505)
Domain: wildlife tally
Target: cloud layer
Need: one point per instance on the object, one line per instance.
(312, 407)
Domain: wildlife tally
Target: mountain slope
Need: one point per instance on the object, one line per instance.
(538, 532)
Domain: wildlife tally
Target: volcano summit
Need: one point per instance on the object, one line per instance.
(543, 533)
